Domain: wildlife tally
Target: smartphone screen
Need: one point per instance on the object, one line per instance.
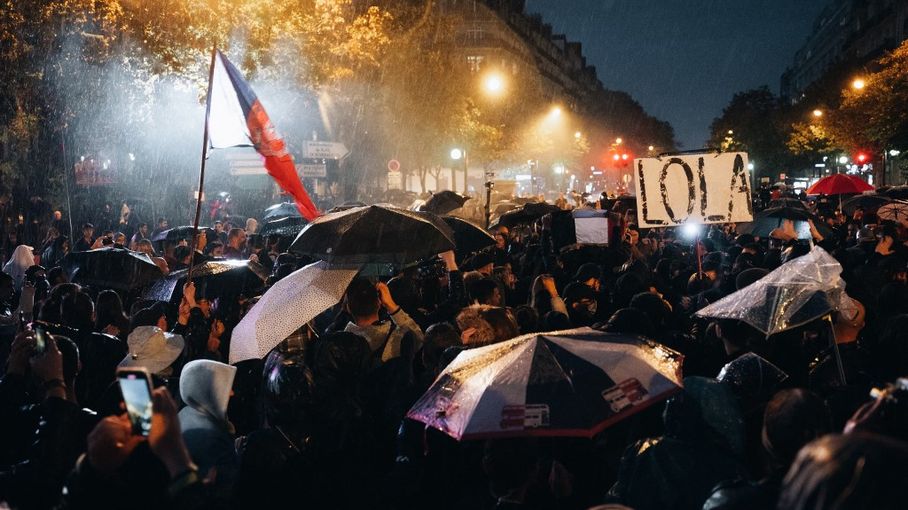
(40, 340)
(136, 389)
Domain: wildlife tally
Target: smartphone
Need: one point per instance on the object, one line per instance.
(135, 384)
(40, 340)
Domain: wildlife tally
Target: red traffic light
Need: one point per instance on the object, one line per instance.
(624, 156)
(616, 157)
(861, 157)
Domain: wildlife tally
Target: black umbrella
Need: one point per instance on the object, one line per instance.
(468, 237)
(770, 219)
(897, 192)
(787, 202)
(286, 227)
(216, 278)
(346, 206)
(869, 202)
(114, 268)
(175, 234)
(444, 202)
(283, 210)
(372, 234)
(526, 214)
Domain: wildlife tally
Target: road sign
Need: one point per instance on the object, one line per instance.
(395, 180)
(324, 150)
(312, 171)
(393, 165)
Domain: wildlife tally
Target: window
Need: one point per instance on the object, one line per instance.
(475, 33)
(475, 62)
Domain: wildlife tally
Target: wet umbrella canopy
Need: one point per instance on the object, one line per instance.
(175, 234)
(468, 237)
(444, 202)
(283, 210)
(288, 305)
(372, 234)
(795, 293)
(839, 184)
(526, 214)
(290, 226)
(770, 219)
(114, 268)
(866, 201)
(565, 383)
(215, 278)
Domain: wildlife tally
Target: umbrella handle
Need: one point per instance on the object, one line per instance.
(835, 349)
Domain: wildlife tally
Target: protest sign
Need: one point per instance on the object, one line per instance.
(591, 226)
(701, 188)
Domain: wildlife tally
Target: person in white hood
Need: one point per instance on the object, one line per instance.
(19, 262)
(205, 387)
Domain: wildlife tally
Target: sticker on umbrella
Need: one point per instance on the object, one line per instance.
(625, 395)
(530, 416)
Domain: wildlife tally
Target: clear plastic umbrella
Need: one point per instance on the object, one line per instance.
(794, 294)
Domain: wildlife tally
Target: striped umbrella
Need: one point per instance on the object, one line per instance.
(565, 383)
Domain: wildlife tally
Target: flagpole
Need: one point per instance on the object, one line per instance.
(198, 202)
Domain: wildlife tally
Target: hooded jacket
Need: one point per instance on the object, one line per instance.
(205, 387)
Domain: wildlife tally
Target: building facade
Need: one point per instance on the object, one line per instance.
(851, 32)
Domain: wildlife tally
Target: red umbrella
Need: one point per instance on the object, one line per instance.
(839, 184)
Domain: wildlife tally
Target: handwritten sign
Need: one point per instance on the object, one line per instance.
(701, 188)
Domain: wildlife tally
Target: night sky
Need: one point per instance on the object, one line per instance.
(684, 59)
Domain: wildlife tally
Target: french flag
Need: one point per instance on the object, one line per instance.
(236, 118)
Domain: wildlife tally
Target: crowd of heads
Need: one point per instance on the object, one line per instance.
(762, 421)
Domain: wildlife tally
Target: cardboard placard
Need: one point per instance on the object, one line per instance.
(701, 188)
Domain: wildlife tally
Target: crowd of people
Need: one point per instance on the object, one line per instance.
(320, 421)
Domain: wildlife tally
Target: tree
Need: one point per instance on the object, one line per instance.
(752, 122)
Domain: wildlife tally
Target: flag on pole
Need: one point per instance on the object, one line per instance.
(236, 118)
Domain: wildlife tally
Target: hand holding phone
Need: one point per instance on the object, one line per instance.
(135, 385)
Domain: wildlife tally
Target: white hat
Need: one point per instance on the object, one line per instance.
(152, 348)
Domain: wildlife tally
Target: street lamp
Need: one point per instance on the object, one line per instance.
(457, 154)
(651, 148)
(818, 113)
(843, 160)
(858, 84)
(493, 84)
(618, 140)
(555, 111)
(577, 135)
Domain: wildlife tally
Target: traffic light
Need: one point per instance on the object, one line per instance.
(861, 158)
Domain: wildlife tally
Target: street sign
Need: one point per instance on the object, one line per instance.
(701, 188)
(311, 171)
(395, 180)
(246, 163)
(393, 165)
(324, 150)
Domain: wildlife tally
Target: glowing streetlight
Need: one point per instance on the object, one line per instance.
(858, 84)
(618, 140)
(577, 135)
(456, 154)
(493, 84)
(651, 148)
(731, 132)
(555, 111)
(843, 160)
(818, 113)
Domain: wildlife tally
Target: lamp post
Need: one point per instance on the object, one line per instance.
(490, 183)
(457, 154)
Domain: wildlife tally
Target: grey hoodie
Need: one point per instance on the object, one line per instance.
(205, 387)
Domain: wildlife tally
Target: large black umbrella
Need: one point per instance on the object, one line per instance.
(114, 268)
(286, 227)
(787, 202)
(444, 202)
(346, 206)
(868, 202)
(897, 192)
(372, 234)
(526, 214)
(770, 219)
(175, 234)
(468, 237)
(282, 210)
(215, 278)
